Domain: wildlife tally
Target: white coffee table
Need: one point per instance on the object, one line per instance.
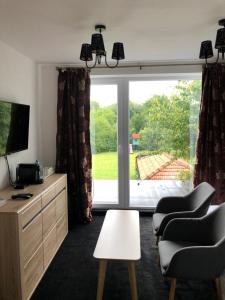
(119, 239)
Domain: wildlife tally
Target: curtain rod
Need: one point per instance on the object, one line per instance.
(140, 66)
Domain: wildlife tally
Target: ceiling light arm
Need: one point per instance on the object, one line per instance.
(218, 55)
(93, 66)
(109, 66)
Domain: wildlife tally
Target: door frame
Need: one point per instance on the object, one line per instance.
(122, 114)
(123, 128)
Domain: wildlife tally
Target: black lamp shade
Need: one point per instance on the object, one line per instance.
(220, 39)
(86, 52)
(118, 51)
(97, 44)
(206, 50)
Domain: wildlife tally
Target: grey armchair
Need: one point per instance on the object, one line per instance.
(194, 249)
(193, 205)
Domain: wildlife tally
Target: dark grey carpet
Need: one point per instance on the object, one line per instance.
(73, 273)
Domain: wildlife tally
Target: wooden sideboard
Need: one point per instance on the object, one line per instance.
(31, 232)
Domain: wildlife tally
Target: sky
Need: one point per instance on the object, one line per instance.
(139, 91)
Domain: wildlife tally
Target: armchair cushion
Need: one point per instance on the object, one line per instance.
(167, 249)
(157, 220)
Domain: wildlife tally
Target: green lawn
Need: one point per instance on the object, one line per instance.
(105, 165)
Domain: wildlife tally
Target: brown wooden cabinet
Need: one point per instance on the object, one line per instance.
(31, 232)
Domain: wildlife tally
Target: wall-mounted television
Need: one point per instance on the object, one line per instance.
(14, 127)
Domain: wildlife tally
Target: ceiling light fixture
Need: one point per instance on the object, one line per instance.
(206, 50)
(97, 47)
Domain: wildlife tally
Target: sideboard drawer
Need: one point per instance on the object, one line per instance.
(31, 238)
(48, 196)
(61, 184)
(33, 272)
(49, 247)
(61, 229)
(61, 204)
(31, 212)
(49, 218)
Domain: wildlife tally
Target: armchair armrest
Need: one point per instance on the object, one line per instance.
(171, 204)
(199, 262)
(192, 230)
(171, 216)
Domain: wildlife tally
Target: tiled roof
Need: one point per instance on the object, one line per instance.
(136, 135)
(160, 167)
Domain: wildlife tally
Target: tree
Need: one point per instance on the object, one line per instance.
(166, 124)
(137, 118)
(191, 91)
(104, 128)
(171, 122)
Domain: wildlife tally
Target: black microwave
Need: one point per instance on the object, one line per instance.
(29, 174)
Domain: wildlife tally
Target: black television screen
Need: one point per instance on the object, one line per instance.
(14, 127)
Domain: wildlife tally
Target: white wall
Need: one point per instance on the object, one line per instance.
(47, 113)
(18, 84)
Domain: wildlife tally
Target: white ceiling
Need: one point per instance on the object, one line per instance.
(151, 30)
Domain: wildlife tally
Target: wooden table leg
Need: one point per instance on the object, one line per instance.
(172, 289)
(132, 278)
(218, 288)
(101, 278)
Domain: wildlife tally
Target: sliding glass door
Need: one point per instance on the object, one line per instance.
(162, 130)
(143, 136)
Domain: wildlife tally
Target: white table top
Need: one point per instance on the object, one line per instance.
(119, 238)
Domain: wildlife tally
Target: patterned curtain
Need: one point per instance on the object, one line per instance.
(210, 153)
(73, 154)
